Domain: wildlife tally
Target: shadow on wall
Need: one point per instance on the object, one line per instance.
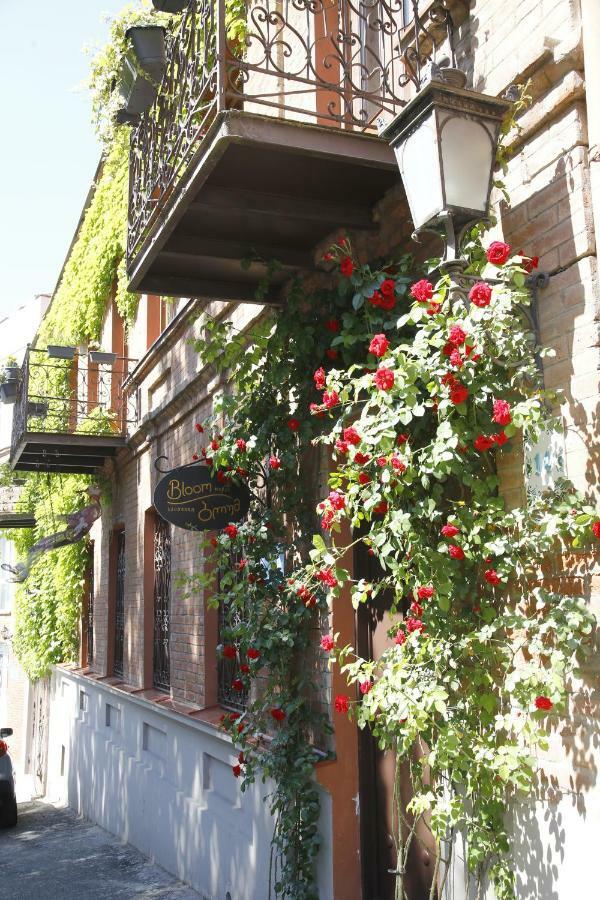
(551, 842)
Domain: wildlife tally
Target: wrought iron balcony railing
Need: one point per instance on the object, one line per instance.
(337, 63)
(70, 413)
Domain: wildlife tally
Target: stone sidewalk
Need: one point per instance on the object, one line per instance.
(54, 855)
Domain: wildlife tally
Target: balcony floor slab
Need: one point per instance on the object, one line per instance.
(259, 189)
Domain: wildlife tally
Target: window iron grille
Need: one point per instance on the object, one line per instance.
(120, 606)
(230, 619)
(162, 605)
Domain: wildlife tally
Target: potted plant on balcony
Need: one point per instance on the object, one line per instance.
(60, 351)
(134, 53)
(170, 6)
(101, 357)
(9, 379)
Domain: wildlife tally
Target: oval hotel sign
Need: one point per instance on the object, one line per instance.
(189, 497)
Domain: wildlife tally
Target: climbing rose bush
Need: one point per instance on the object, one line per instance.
(416, 390)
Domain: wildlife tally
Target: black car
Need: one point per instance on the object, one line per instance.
(8, 798)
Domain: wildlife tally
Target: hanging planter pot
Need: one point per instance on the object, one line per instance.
(37, 409)
(105, 359)
(143, 68)
(11, 374)
(59, 351)
(8, 392)
(170, 6)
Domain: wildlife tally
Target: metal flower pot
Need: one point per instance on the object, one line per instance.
(59, 351)
(170, 6)
(37, 409)
(105, 359)
(11, 374)
(143, 67)
(8, 392)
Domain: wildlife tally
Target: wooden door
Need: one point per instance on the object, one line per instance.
(377, 774)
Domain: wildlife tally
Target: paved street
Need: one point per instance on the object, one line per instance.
(53, 855)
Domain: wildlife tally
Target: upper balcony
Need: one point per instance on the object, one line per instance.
(70, 415)
(262, 139)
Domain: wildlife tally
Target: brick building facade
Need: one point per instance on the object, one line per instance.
(124, 751)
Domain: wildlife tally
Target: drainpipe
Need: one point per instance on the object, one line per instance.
(590, 26)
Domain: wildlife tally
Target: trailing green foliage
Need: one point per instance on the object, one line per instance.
(94, 264)
(48, 603)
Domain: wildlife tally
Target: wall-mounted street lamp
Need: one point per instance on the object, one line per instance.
(445, 143)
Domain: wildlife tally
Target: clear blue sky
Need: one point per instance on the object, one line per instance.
(48, 150)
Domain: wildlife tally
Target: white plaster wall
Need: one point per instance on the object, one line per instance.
(165, 785)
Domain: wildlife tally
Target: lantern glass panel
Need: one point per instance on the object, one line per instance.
(467, 150)
(419, 164)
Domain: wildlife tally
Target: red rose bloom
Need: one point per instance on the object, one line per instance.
(214, 445)
(229, 651)
(433, 309)
(381, 461)
(337, 500)
(499, 439)
(497, 253)
(237, 770)
(398, 465)
(274, 462)
(480, 294)
(278, 714)
(330, 399)
(422, 290)
(341, 446)
(379, 345)
(342, 703)
(384, 379)
(450, 531)
(544, 703)
(327, 643)
(351, 436)
(458, 394)
(483, 443)
(413, 624)
(400, 638)
(425, 592)
(237, 684)
(457, 335)
(293, 424)
(363, 478)
(326, 576)
(596, 529)
(319, 379)
(456, 359)
(195, 456)
(347, 266)
(388, 287)
(252, 653)
(214, 542)
(231, 531)
(332, 325)
(492, 577)
(402, 439)
(199, 428)
(331, 354)
(416, 609)
(501, 414)
(456, 552)
(386, 303)
(380, 509)
(365, 687)
(241, 444)
(361, 458)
